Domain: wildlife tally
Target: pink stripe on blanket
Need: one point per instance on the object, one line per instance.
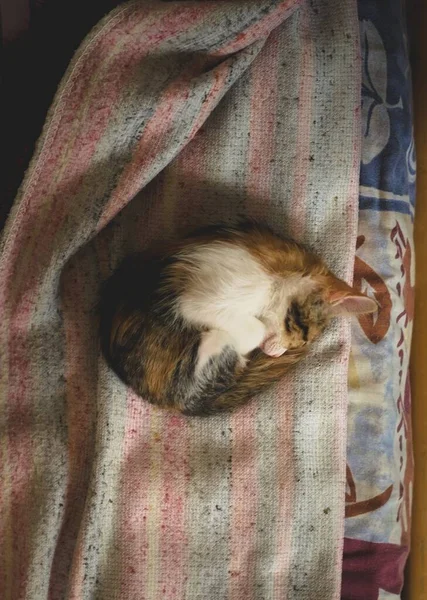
(263, 129)
(134, 500)
(261, 29)
(19, 450)
(286, 486)
(81, 386)
(243, 504)
(173, 547)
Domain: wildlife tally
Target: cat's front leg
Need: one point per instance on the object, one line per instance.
(212, 343)
(248, 333)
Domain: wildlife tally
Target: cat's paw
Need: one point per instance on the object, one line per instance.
(248, 334)
(213, 342)
(273, 347)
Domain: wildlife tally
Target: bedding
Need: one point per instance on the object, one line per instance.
(379, 453)
(379, 446)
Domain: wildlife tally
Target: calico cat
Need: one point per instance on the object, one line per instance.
(208, 322)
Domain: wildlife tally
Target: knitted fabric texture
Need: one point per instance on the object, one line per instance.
(173, 115)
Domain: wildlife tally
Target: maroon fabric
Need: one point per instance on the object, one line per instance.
(369, 567)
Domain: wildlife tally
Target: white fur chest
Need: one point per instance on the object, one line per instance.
(226, 283)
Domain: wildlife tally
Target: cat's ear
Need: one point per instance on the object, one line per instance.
(354, 304)
(345, 300)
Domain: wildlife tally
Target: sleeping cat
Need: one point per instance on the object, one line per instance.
(206, 323)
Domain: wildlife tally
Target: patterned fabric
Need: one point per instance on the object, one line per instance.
(102, 496)
(380, 462)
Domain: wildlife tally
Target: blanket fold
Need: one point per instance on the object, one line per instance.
(174, 115)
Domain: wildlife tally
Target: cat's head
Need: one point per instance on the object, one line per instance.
(308, 314)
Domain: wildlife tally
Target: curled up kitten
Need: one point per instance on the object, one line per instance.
(208, 322)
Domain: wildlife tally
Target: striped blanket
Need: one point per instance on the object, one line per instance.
(174, 115)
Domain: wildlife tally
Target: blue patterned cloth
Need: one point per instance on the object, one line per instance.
(379, 450)
(388, 157)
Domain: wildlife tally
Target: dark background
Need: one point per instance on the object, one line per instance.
(38, 40)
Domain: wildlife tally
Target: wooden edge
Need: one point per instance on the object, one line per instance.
(416, 573)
